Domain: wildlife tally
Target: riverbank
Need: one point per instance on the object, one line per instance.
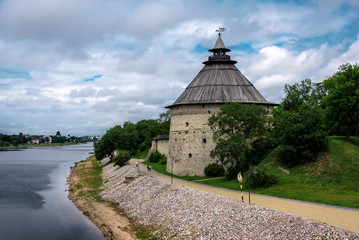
(84, 186)
(24, 146)
(178, 212)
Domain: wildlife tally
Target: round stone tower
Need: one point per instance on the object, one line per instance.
(219, 82)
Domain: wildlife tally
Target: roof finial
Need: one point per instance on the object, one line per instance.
(220, 29)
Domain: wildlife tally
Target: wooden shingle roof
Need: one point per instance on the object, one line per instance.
(220, 81)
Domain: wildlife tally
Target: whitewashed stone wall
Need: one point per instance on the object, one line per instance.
(160, 146)
(190, 140)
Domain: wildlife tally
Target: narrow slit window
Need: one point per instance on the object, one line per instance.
(187, 124)
(204, 140)
(190, 155)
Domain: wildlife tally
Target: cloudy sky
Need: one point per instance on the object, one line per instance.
(84, 66)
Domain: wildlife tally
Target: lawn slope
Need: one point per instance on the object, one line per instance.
(333, 179)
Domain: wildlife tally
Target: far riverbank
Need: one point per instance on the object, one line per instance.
(24, 146)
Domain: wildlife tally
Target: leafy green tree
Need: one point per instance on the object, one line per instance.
(303, 93)
(131, 137)
(165, 120)
(300, 134)
(122, 158)
(235, 127)
(342, 102)
(128, 139)
(109, 143)
(148, 129)
(298, 123)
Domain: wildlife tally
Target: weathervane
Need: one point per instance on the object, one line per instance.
(220, 29)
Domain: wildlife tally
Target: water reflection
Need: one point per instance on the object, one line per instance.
(20, 184)
(33, 195)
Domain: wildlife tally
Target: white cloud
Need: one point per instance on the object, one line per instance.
(144, 53)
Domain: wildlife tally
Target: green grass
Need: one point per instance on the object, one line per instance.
(141, 155)
(333, 179)
(91, 181)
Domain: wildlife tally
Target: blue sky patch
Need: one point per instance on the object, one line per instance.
(91, 79)
(14, 73)
(244, 47)
(200, 48)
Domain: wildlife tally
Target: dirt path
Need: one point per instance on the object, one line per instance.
(111, 223)
(337, 216)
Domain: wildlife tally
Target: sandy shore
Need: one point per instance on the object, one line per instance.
(108, 219)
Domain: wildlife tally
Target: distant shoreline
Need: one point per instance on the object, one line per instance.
(24, 146)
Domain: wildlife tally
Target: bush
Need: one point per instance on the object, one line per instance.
(163, 160)
(214, 170)
(260, 177)
(232, 172)
(155, 157)
(122, 158)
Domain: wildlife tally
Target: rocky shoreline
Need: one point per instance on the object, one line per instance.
(178, 212)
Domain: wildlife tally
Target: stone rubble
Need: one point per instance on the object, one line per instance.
(179, 212)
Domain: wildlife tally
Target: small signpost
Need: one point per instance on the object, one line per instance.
(239, 177)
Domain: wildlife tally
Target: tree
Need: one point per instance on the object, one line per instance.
(165, 120)
(122, 158)
(300, 135)
(128, 139)
(342, 102)
(303, 93)
(298, 123)
(235, 128)
(109, 143)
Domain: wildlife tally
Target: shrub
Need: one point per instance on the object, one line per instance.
(163, 160)
(214, 170)
(121, 158)
(260, 177)
(232, 172)
(155, 157)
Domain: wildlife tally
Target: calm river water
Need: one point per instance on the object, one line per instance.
(33, 195)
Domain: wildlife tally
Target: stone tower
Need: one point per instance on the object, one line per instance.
(219, 82)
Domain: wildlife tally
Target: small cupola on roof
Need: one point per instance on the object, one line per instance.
(219, 53)
(220, 82)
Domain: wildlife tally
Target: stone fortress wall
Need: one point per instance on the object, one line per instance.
(190, 139)
(160, 145)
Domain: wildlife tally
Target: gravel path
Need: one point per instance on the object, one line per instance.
(179, 212)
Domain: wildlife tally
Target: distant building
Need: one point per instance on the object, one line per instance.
(58, 134)
(190, 139)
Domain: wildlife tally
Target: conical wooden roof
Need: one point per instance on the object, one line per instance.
(219, 45)
(220, 81)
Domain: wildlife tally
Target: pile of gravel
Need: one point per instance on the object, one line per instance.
(179, 212)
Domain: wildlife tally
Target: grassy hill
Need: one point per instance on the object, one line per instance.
(332, 179)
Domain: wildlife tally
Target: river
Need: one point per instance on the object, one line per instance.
(33, 195)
